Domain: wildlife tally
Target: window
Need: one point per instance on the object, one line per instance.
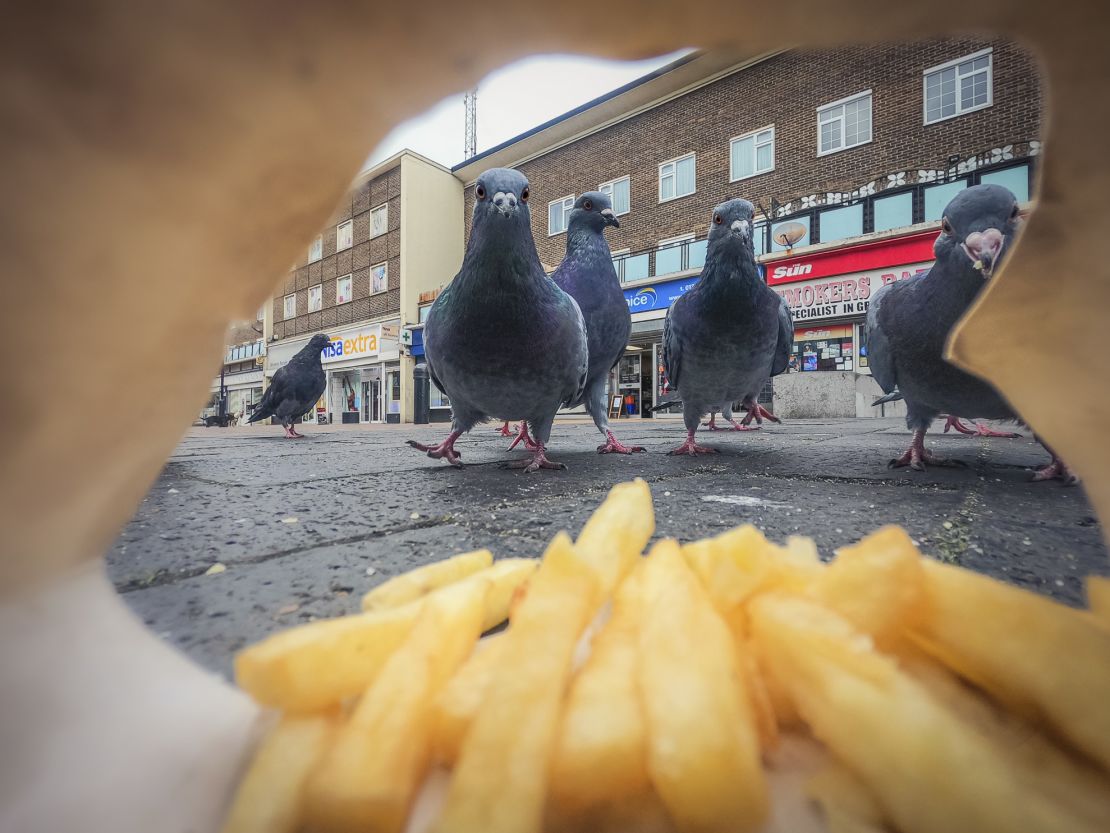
(839, 223)
(315, 297)
(379, 278)
(436, 397)
(422, 312)
(668, 257)
(1015, 178)
(344, 235)
(676, 178)
(844, 124)
(958, 87)
(343, 289)
(619, 192)
(804, 241)
(695, 253)
(316, 250)
(379, 220)
(557, 213)
(759, 238)
(752, 154)
(895, 211)
(937, 198)
(290, 310)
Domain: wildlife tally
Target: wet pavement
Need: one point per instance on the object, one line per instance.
(302, 528)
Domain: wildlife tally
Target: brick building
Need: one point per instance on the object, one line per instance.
(851, 153)
(360, 280)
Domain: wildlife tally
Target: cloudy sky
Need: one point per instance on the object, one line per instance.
(512, 100)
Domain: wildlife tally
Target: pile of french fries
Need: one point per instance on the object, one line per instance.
(633, 693)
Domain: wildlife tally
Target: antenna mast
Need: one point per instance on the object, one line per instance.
(470, 103)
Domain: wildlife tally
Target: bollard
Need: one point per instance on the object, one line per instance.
(421, 394)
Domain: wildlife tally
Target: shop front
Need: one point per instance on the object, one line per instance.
(828, 293)
(642, 382)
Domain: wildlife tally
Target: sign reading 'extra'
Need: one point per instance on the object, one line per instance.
(842, 296)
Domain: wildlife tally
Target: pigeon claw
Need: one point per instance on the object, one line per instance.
(537, 461)
(443, 451)
(614, 446)
(691, 448)
(1056, 470)
(759, 413)
(504, 430)
(916, 458)
(523, 436)
(980, 430)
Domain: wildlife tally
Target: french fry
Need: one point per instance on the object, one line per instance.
(847, 804)
(877, 584)
(1041, 658)
(1098, 598)
(615, 535)
(929, 770)
(316, 665)
(368, 779)
(271, 795)
(500, 781)
(732, 567)
(703, 753)
(459, 700)
(600, 754)
(412, 585)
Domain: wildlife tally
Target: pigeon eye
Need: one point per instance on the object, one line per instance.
(717, 219)
(946, 226)
(1014, 213)
(481, 192)
(524, 194)
(588, 205)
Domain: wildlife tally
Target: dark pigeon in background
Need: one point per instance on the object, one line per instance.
(502, 340)
(908, 323)
(295, 388)
(758, 413)
(724, 337)
(587, 275)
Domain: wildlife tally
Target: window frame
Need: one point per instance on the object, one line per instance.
(674, 243)
(319, 297)
(385, 273)
(960, 111)
(349, 276)
(568, 205)
(384, 208)
(285, 307)
(841, 103)
(350, 224)
(677, 196)
(613, 182)
(318, 245)
(751, 134)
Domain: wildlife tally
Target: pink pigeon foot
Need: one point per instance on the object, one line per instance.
(291, 434)
(690, 447)
(980, 429)
(523, 437)
(743, 425)
(1056, 470)
(614, 446)
(759, 413)
(712, 424)
(917, 456)
(537, 461)
(504, 430)
(444, 451)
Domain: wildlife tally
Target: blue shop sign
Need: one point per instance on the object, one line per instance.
(662, 295)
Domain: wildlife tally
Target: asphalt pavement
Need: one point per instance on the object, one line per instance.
(245, 533)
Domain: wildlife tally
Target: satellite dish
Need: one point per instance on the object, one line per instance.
(787, 234)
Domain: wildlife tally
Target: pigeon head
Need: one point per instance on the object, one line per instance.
(592, 211)
(976, 230)
(730, 230)
(318, 342)
(501, 198)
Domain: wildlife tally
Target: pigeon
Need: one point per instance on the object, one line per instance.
(725, 336)
(587, 275)
(295, 387)
(908, 323)
(754, 411)
(502, 340)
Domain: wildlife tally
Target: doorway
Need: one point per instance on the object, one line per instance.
(371, 400)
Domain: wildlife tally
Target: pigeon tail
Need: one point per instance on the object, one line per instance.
(893, 396)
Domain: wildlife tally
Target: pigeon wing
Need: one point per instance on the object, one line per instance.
(267, 405)
(880, 352)
(672, 349)
(785, 340)
(583, 371)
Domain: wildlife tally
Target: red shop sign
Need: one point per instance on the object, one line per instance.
(865, 257)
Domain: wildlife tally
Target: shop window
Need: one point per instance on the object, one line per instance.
(619, 193)
(290, 307)
(895, 211)
(752, 154)
(315, 297)
(668, 257)
(844, 124)
(342, 289)
(677, 178)
(803, 241)
(422, 312)
(344, 235)
(379, 220)
(558, 213)
(937, 197)
(379, 278)
(841, 223)
(823, 348)
(316, 249)
(1015, 178)
(436, 397)
(958, 87)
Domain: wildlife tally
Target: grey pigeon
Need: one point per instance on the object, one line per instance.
(908, 323)
(754, 411)
(502, 340)
(295, 388)
(588, 276)
(730, 332)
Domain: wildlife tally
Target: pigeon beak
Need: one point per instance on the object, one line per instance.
(742, 228)
(505, 203)
(610, 217)
(984, 248)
